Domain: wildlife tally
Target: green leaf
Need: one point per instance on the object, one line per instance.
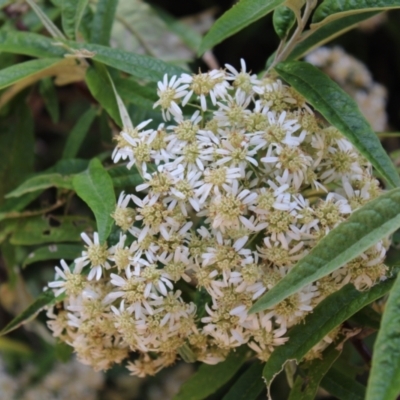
(328, 314)
(95, 188)
(78, 133)
(41, 182)
(341, 111)
(249, 385)
(242, 14)
(14, 346)
(384, 379)
(49, 95)
(11, 75)
(71, 17)
(44, 299)
(39, 230)
(133, 92)
(209, 378)
(63, 351)
(70, 166)
(123, 177)
(283, 19)
(329, 10)
(342, 386)
(102, 21)
(16, 148)
(366, 226)
(101, 89)
(14, 205)
(29, 44)
(306, 386)
(367, 317)
(54, 252)
(322, 35)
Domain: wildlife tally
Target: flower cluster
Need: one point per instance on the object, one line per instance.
(356, 80)
(233, 195)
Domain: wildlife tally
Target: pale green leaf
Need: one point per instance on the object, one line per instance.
(11, 75)
(328, 314)
(242, 14)
(384, 379)
(209, 378)
(95, 188)
(365, 227)
(103, 21)
(330, 10)
(78, 133)
(53, 252)
(71, 17)
(143, 96)
(44, 299)
(249, 385)
(14, 346)
(341, 111)
(41, 182)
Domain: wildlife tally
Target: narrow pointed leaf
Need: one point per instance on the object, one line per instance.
(15, 73)
(78, 133)
(71, 16)
(341, 111)
(329, 10)
(242, 14)
(330, 313)
(249, 385)
(365, 227)
(54, 252)
(95, 188)
(306, 386)
(102, 21)
(209, 378)
(342, 386)
(49, 95)
(384, 380)
(326, 33)
(41, 182)
(44, 299)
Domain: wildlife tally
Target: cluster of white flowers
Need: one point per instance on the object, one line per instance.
(232, 196)
(354, 77)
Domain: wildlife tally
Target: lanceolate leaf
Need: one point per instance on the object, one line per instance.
(44, 299)
(341, 111)
(49, 95)
(242, 14)
(326, 33)
(366, 226)
(330, 10)
(330, 313)
(283, 20)
(249, 386)
(209, 378)
(15, 73)
(54, 252)
(102, 21)
(78, 133)
(306, 386)
(384, 380)
(342, 386)
(72, 13)
(42, 181)
(95, 188)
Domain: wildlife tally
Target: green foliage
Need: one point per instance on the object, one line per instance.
(242, 14)
(366, 226)
(72, 14)
(53, 252)
(102, 21)
(94, 187)
(384, 380)
(329, 314)
(49, 95)
(210, 378)
(249, 385)
(283, 19)
(342, 386)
